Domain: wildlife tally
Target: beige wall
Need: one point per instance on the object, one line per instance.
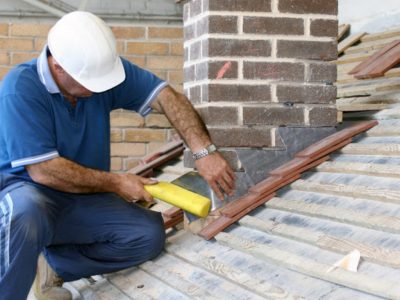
(156, 48)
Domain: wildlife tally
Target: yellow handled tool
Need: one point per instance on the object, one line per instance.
(180, 197)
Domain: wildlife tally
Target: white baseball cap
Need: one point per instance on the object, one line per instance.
(85, 47)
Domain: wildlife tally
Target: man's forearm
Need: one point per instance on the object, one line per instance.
(184, 118)
(64, 175)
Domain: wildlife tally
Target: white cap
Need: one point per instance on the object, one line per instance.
(85, 48)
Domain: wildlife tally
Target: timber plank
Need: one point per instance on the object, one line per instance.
(374, 57)
(384, 170)
(352, 58)
(325, 144)
(358, 281)
(376, 222)
(374, 102)
(386, 257)
(349, 41)
(371, 45)
(372, 149)
(368, 87)
(365, 192)
(223, 222)
(381, 64)
(342, 30)
(238, 276)
(381, 35)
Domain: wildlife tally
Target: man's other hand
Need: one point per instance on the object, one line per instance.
(218, 174)
(131, 188)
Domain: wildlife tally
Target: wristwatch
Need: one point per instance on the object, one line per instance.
(204, 152)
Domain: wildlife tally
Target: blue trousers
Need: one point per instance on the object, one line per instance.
(79, 234)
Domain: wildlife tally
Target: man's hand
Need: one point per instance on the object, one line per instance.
(131, 188)
(67, 176)
(218, 174)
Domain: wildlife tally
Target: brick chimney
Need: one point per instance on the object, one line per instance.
(260, 74)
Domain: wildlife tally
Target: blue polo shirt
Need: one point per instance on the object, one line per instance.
(37, 123)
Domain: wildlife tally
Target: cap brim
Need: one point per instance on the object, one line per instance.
(106, 82)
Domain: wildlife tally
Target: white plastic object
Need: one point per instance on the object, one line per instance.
(85, 47)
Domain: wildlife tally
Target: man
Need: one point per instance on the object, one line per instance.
(57, 196)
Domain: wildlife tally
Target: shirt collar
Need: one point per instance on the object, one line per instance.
(44, 73)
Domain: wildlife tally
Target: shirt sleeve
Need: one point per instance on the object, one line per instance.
(27, 128)
(139, 89)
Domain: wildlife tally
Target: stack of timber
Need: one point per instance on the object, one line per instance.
(283, 248)
(368, 72)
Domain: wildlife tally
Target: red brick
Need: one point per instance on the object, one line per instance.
(236, 93)
(264, 115)
(189, 73)
(213, 69)
(307, 50)
(323, 116)
(306, 93)
(186, 54)
(238, 5)
(308, 6)
(271, 70)
(221, 116)
(268, 25)
(195, 51)
(217, 24)
(322, 72)
(321, 27)
(241, 137)
(186, 12)
(230, 47)
(195, 8)
(195, 94)
(189, 32)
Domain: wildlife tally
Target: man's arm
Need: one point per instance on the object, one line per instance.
(180, 112)
(66, 176)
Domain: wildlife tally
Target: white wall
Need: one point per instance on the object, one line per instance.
(370, 15)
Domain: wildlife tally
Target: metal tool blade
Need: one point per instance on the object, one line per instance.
(193, 182)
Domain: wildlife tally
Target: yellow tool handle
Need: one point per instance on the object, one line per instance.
(180, 197)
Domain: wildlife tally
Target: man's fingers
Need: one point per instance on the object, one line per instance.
(216, 190)
(147, 197)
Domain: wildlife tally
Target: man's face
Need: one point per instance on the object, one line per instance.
(67, 85)
(72, 87)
